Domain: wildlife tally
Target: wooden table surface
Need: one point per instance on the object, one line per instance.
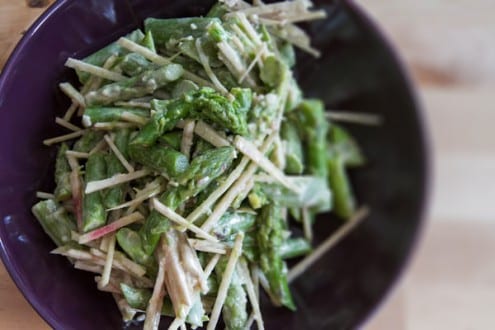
(449, 49)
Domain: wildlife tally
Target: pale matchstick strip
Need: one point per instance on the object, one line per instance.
(44, 195)
(211, 265)
(76, 154)
(225, 283)
(155, 303)
(172, 216)
(70, 112)
(72, 93)
(250, 150)
(235, 189)
(107, 269)
(330, 242)
(62, 138)
(93, 70)
(307, 225)
(354, 117)
(209, 134)
(118, 154)
(114, 180)
(64, 123)
(187, 137)
(203, 58)
(253, 298)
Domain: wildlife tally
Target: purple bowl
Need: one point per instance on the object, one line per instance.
(358, 71)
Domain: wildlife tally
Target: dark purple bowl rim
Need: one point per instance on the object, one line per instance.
(8, 67)
(423, 136)
(425, 140)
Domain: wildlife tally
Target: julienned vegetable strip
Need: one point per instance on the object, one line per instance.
(97, 185)
(226, 278)
(112, 227)
(330, 242)
(199, 155)
(94, 70)
(181, 221)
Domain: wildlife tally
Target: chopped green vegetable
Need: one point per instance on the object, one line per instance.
(63, 190)
(133, 87)
(54, 220)
(94, 214)
(270, 238)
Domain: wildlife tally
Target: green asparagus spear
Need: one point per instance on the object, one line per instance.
(314, 193)
(183, 87)
(115, 195)
(234, 310)
(250, 247)
(172, 139)
(166, 116)
(107, 114)
(88, 141)
(203, 170)
(218, 10)
(200, 147)
(294, 247)
(165, 30)
(54, 220)
(270, 238)
(234, 222)
(130, 241)
(343, 152)
(134, 64)
(133, 87)
(94, 214)
(163, 159)
(310, 117)
(138, 298)
(343, 198)
(207, 167)
(273, 71)
(231, 115)
(342, 143)
(98, 58)
(63, 190)
(149, 42)
(293, 149)
(179, 35)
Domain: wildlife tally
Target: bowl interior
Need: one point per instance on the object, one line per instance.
(358, 71)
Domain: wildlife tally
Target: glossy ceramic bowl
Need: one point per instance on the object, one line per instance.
(358, 71)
